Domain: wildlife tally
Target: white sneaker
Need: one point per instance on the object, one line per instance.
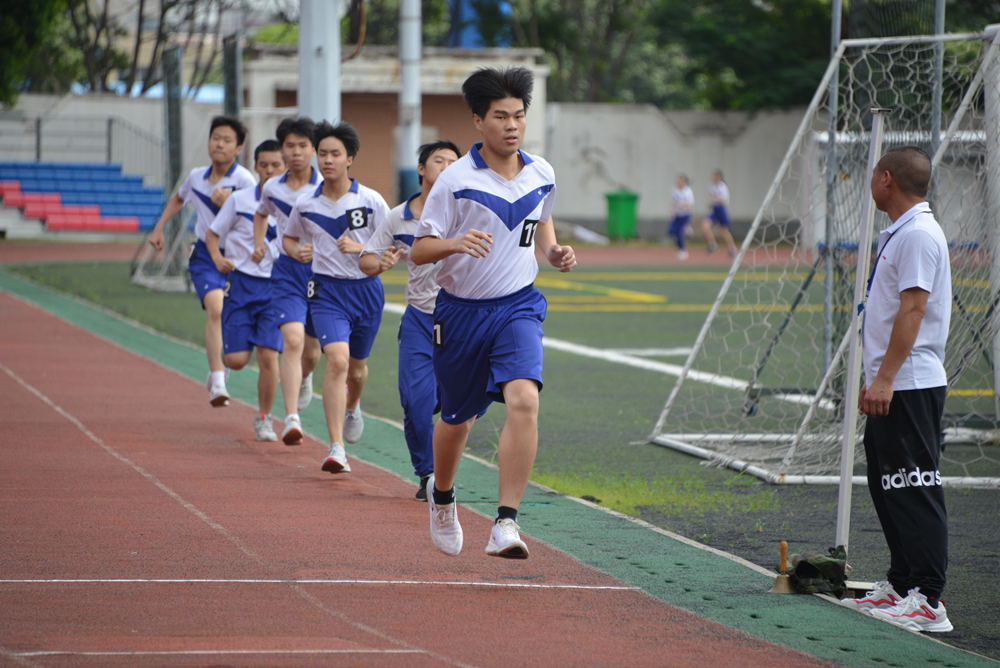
(505, 541)
(264, 427)
(682, 255)
(306, 392)
(218, 396)
(292, 435)
(881, 597)
(354, 425)
(446, 532)
(336, 461)
(914, 613)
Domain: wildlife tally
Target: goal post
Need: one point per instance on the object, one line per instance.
(759, 392)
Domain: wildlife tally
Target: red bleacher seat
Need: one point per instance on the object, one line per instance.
(14, 200)
(56, 222)
(35, 211)
(41, 198)
(119, 224)
(9, 188)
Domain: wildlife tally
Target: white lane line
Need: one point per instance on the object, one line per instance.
(652, 352)
(633, 360)
(446, 583)
(218, 652)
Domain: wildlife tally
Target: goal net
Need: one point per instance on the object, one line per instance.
(763, 389)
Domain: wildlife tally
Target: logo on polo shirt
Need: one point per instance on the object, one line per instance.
(914, 478)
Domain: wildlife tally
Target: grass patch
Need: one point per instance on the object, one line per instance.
(671, 494)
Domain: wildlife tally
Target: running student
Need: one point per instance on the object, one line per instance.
(482, 221)
(345, 305)
(247, 314)
(683, 206)
(418, 392)
(718, 197)
(208, 188)
(290, 273)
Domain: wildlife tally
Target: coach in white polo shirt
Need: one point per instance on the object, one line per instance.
(905, 329)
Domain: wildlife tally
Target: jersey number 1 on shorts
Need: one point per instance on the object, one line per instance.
(357, 218)
(438, 334)
(528, 233)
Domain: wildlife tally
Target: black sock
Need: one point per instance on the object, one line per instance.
(444, 498)
(506, 513)
(932, 601)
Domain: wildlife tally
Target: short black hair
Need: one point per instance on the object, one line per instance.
(910, 167)
(234, 123)
(302, 126)
(266, 145)
(719, 172)
(343, 131)
(490, 84)
(427, 150)
(682, 175)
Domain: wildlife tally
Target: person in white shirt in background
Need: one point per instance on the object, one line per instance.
(683, 199)
(718, 198)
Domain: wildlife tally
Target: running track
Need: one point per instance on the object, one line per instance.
(140, 527)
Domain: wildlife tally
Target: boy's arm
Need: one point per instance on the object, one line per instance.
(169, 211)
(561, 257)
(259, 237)
(223, 264)
(431, 249)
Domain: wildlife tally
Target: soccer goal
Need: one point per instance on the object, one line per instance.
(764, 388)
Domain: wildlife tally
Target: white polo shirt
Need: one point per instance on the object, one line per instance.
(720, 191)
(683, 200)
(234, 225)
(398, 231)
(278, 199)
(916, 256)
(471, 196)
(197, 190)
(356, 215)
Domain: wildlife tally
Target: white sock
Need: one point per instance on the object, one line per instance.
(290, 416)
(218, 378)
(356, 411)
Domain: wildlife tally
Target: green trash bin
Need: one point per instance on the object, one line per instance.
(622, 206)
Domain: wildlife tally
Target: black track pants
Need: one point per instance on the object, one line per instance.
(903, 451)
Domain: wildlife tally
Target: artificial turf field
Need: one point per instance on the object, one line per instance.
(593, 413)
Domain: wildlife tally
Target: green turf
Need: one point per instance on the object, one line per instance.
(594, 420)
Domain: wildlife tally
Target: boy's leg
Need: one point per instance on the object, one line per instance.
(518, 440)
(338, 361)
(213, 302)
(418, 388)
(239, 359)
(706, 230)
(449, 443)
(292, 360)
(727, 236)
(310, 355)
(267, 382)
(357, 375)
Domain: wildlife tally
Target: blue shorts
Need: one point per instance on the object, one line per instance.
(479, 344)
(677, 226)
(204, 276)
(289, 278)
(719, 215)
(348, 310)
(247, 315)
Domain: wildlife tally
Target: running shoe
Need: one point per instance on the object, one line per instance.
(265, 429)
(422, 492)
(218, 396)
(881, 597)
(505, 541)
(292, 435)
(915, 614)
(354, 425)
(336, 461)
(446, 532)
(682, 255)
(306, 391)
(712, 248)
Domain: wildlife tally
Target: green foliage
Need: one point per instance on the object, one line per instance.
(748, 55)
(57, 65)
(24, 27)
(278, 33)
(381, 22)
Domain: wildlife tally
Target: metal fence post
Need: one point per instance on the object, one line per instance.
(111, 122)
(38, 139)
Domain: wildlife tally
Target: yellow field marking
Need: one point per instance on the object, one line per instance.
(970, 393)
(619, 276)
(559, 283)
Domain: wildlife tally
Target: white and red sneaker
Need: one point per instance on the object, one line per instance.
(881, 597)
(336, 461)
(915, 614)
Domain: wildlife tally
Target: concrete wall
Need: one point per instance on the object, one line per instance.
(598, 148)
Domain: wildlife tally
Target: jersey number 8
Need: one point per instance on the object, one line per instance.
(312, 289)
(357, 218)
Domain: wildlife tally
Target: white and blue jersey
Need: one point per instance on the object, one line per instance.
(398, 231)
(719, 194)
(278, 199)
(356, 215)
(197, 190)
(470, 196)
(234, 225)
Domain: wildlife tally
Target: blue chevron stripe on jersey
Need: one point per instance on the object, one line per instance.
(208, 202)
(332, 226)
(511, 213)
(405, 238)
(283, 206)
(272, 233)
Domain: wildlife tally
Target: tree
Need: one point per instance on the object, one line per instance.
(745, 55)
(24, 28)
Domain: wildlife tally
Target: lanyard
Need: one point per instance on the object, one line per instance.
(878, 256)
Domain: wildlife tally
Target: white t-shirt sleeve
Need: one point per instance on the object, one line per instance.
(266, 206)
(922, 258)
(295, 227)
(226, 218)
(547, 205)
(246, 179)
(186, 191)
(440, 212)
(381, 240)
(380, 210)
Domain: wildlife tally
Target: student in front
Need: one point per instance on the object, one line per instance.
(345, 305)
(418, 391)
(482, 222)
(208, 188)
(247, 314)
(907, 317)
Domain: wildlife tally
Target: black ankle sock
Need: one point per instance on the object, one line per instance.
(932, 601)
(506, 513)
(444, 498)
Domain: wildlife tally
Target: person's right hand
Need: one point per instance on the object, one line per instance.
(474, 243)
(258, 254)
(224, 264)
(306, 253)
(156, 239)
(389, 259)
